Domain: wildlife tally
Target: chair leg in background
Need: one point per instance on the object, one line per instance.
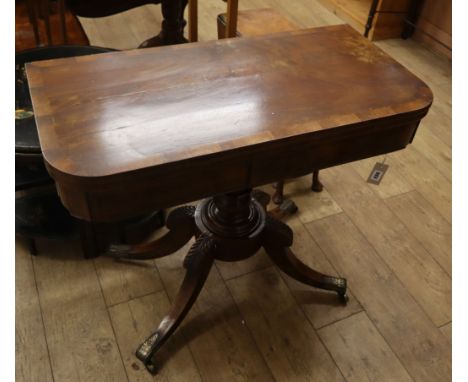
(316, 185)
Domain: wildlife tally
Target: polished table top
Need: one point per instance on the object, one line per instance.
(128, 132)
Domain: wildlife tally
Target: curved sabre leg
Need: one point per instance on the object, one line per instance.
(181, 224)
(202, 258)
(277, 240)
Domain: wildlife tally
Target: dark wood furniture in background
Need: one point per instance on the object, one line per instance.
(376, 19)
(32, 27)
(433, 26)
(38, 211)
(217, 118)
(411, 18)
(258, 22)
(39, 11)
(172, 28)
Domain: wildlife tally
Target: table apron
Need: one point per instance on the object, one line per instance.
(130, 197)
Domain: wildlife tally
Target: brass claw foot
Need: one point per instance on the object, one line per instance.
(144, 353)
(119, 251)
(277, 240)
(201, 254)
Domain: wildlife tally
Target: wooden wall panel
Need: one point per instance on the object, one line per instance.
(434, 26)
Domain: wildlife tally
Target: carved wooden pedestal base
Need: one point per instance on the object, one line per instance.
(227, 227)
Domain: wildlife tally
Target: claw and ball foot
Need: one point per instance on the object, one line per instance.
(202, 257)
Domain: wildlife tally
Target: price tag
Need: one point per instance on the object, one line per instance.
(377, 173)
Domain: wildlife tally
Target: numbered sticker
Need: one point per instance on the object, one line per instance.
(377, 173)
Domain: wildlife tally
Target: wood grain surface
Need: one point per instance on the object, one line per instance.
(114, 125)
(423, 349)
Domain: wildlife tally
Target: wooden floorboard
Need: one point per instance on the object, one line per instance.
(423, 277)
(285, 337)
(410, 333)
(81, 320)
(79, 333)
(426, 224)
(392, 184)
(231, 270)
(426, 179)
(312, 205)
(321, 308)
(447, 331)
(124, 281)
(361, 352)
(32, 354)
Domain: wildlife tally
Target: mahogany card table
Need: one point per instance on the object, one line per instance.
(131, 132)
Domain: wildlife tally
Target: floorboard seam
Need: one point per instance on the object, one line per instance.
(110, 320)
(42, 319)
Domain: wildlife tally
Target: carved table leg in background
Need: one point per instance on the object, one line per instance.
(316, 185)
(172, 28)
(228, 227)
(278, 196)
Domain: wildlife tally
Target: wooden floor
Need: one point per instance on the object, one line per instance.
(81, 320)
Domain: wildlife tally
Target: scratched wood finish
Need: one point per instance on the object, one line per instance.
(243, 111)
